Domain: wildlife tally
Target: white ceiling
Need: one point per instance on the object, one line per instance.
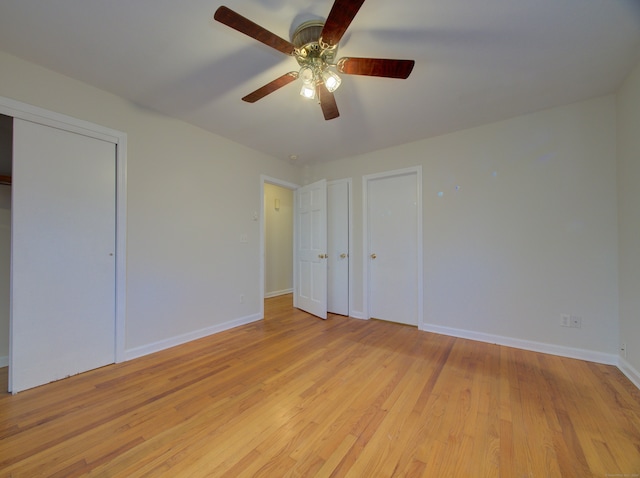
(476, 62)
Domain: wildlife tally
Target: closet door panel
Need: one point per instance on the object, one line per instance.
(63, 254)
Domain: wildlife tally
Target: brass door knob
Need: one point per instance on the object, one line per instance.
(373, 256)
(343, 256)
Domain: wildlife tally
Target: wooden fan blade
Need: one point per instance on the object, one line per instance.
(236, 21)
(271, 87)
(327, 103)
(339, 19)
(376, 67)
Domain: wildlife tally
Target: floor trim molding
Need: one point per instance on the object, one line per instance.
(269, 295)
(630, 372)
(188, 337)
(571, 352)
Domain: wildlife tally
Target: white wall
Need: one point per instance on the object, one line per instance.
(530, 233)
(190, 196)
(519, 227)
(628, 107)
(278, 251)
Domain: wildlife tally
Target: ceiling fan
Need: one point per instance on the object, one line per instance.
(314, 45)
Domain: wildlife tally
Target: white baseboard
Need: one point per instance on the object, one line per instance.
(182, 339)
(631, 373)
(570, 352)
(582, 354)
(356, 314)
(268, 295)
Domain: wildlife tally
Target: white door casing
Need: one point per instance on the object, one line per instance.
(311, 248)
(20, 110)
(63, 318)
(393, 246)
(338, 263)
(338, 220)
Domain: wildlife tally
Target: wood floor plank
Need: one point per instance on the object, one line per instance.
(295, 396)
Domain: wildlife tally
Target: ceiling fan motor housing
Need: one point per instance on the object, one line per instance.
(309, 50)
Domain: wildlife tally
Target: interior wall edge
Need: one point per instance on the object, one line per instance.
(631, 373)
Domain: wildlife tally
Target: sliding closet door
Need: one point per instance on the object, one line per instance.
(63, 254)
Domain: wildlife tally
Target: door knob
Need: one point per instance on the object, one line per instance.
(343, 255)
(373, 256)
(323, 256)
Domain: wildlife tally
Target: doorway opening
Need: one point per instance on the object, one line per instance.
(33, 130)
(276, 250)
(278, 240)
(277, 212)
(6, 161)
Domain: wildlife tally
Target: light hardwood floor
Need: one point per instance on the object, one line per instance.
(297, 396)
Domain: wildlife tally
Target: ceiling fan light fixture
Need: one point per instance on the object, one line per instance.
(331, 80)
(307, 76)
(308, 91)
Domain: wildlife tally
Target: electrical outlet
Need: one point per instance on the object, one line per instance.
(576, 322)
(565, 320)
(623, 350)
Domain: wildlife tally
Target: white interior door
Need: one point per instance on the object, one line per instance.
(63, 254)
(393, 248)
(338, 247)
(311, 248)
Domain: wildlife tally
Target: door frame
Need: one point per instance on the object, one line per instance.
(293, 186)
(17, 109)
(283, 184)
(417, 171)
